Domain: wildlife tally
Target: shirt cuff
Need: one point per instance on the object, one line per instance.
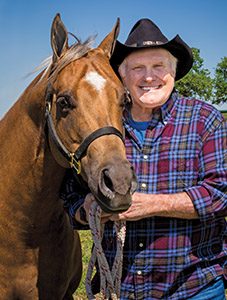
(202, 202)
(72, 212)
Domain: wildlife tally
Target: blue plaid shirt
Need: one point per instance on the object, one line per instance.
(184, 149)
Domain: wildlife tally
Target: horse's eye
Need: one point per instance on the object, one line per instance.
(64, 103)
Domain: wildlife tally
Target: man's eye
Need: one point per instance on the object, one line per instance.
(137, 68)
(158, 66)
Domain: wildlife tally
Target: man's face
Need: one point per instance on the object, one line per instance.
(149, 76)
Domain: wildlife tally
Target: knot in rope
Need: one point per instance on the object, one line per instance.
(110, 280)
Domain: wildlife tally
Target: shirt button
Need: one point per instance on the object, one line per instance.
(145, 157)
(140, 245)
(139, 272)
(143, 185)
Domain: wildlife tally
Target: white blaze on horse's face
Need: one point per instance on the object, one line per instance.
(96, 80)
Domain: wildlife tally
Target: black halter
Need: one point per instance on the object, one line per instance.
(74, 158)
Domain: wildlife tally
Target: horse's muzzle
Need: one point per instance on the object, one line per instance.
(115, 188)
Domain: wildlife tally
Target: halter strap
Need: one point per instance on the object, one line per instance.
(107, 130)
(74, 158)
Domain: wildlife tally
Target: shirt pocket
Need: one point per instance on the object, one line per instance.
(179, 156)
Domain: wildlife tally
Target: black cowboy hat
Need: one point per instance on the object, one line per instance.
(145, 34)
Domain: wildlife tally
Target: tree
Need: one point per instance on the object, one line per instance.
(197, 83)
(220, 82)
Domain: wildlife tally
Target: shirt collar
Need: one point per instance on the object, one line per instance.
(168, 105)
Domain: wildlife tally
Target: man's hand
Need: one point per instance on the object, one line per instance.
(139, 209)
(177, 205)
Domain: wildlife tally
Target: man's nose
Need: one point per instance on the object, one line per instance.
(150, 75)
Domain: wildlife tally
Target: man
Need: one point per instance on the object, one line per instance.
(175, 244)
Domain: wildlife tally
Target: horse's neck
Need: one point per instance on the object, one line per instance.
(29, 174)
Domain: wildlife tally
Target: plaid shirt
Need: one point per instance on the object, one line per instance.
(185, 149)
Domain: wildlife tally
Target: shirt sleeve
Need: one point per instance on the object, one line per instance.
(210, 194)
(73, 194)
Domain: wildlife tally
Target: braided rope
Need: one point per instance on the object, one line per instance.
(110, 280)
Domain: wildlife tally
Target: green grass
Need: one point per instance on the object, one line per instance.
(86, 243)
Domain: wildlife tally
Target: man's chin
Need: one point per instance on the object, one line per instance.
(152, 100)
(148, 101)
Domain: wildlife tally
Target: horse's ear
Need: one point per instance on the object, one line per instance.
(59, 38)
(108, 44)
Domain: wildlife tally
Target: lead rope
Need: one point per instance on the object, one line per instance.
(110, 280)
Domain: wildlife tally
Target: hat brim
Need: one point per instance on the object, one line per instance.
(177, 47)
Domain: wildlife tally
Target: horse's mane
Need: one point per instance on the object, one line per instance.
(74, 52)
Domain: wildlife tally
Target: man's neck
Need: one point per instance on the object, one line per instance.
(140, 114)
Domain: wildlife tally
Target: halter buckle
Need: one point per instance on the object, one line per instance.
(75, 164)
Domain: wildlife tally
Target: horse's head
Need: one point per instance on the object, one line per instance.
(85, 100)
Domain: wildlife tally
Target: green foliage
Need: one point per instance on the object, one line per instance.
(197, 83)
(220, 82)
(225, 116)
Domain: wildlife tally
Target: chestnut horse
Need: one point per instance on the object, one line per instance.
(69, 116)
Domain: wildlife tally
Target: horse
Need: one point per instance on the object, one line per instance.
(69, 116)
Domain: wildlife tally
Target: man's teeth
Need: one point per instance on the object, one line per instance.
(146, 88)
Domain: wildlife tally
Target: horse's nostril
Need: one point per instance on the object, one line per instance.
(107, 180)
(106, 185)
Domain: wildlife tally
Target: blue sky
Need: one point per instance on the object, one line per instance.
(25, 31)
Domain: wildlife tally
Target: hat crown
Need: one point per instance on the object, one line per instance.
(145, 32)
